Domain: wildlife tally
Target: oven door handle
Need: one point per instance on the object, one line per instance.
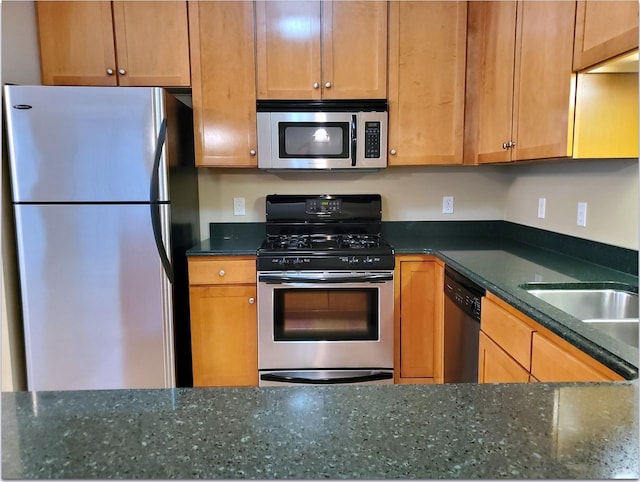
(292, 378)
(369, 278)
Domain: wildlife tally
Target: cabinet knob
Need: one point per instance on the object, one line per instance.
(316, 85)
(328, 85)
(221, 272)
(252, 152)
(109, 71)
(252, 301)
(505, 145)
(393, 152)
(512, 144)
(122, 71)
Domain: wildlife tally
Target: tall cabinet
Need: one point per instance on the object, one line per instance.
(114, 43)
(224, 91)
(427, 52)
(521, 85)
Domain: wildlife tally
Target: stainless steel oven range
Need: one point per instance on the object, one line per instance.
(325, 291)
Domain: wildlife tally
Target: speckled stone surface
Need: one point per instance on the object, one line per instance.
(455, 431)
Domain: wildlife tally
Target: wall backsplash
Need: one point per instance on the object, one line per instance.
(510, 193)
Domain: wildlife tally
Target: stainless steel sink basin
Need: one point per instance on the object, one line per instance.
(586, 304)
(611, 309)
(624, 330)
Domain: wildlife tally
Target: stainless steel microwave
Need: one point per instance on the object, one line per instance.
(322, 134)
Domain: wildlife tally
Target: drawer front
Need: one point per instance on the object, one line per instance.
(222, 270)
(512, 334)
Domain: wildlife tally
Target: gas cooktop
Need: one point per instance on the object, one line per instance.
(324, 232)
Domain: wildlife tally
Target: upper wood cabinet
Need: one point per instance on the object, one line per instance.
(223, 92)
(418, 319)
(427, 45)
(321, 49)
(114, 43)
(521, 86)
(604, 29)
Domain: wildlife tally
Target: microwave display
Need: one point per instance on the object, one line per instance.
(314, 140)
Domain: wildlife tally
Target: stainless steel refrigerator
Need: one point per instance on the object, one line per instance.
(106, 204)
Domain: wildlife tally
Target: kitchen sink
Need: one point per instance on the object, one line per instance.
(610, 308)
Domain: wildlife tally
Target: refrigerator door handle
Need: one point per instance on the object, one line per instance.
(154, 202)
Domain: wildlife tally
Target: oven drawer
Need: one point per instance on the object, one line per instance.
(216, 270)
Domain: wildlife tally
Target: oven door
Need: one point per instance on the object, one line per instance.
(328, 321)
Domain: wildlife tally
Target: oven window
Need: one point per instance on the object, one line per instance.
(314, 140)
(334, 314)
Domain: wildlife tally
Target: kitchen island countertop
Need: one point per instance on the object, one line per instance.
(514, 431)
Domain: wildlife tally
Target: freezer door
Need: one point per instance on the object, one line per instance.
(83, 144)
(96, 301)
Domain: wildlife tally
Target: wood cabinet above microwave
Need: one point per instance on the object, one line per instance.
(321, 49)
(114, 43)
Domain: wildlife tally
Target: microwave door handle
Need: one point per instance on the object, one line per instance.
(354, 139)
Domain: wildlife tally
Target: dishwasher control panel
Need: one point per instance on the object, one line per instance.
(464, 293)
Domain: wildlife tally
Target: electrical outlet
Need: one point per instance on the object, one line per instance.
(542, 206)
(447, 204)
(582, 214)
(238, 206)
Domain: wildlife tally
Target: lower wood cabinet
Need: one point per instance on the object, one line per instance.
(514, 348)
(496, 366)
(418, 319)
(224, 328)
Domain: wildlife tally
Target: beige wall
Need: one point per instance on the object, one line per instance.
(408, 193)
(20, 65)
(610, 188)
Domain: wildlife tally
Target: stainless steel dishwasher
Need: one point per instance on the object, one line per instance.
(461, 327)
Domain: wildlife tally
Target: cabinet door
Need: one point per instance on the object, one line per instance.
(427, 45)
(224, 335)
(544, 84)
(419, 292)
(496, 366)
(152, 43)
(354, 50)
(223, 78)
(496, 39)
(604, 29)
(554, 360)
(288, 49)
(76, 43)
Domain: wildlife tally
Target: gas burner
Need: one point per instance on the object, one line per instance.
(289, 241)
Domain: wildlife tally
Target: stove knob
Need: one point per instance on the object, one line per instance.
(283, 261)
(354, 260)
(368, 260)
(297, 262)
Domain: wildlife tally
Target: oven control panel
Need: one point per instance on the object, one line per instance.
(270, 263)
(323, 206)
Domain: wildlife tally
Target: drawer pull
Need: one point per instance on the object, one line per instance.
(221, 272)
(252, 301)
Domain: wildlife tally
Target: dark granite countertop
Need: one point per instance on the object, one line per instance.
(493, 254)
(454, 431)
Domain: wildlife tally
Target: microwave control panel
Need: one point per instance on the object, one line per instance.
(371, 139)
